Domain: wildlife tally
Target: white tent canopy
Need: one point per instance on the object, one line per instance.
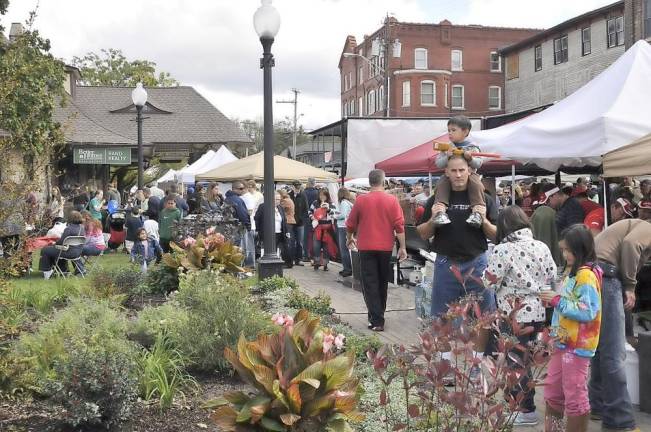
(170, 175)
(609, 112)
(205, 163)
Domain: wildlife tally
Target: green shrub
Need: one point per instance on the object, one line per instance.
(219, 310)
(116, 284)
(152, 322)
(84, 325)
(96, 386)
(274, 283)
(162, 279)
(319, 305)
(162, 373)
(42, 297)
(357, 343)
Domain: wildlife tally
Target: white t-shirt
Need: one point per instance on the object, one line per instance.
(279, 221)
(151, 226)
(251, 203)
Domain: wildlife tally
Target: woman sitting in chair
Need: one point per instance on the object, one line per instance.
(50, 254)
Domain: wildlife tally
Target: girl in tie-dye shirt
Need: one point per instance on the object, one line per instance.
(576, 323)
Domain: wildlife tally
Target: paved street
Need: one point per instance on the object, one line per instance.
(401, 321)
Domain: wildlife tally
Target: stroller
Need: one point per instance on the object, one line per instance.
(117, 233)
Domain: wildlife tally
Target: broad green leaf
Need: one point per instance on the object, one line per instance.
(272, 425)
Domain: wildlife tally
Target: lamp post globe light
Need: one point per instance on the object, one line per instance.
(139, 98)
(266, 21)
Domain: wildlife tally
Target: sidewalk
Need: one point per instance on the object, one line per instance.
(401, 326)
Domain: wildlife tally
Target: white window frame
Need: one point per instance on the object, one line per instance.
(406, 93)
(499, 61)
(459, 67)
(380, 99)
(370, 102)
(499, 97)
(360, 104)
(561, 49)
(433, 83)
(445, 101)
(351, 107)
(360, 75)
(618, 35)
(416, 64)
(463, 97)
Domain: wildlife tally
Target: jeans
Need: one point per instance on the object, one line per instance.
(307, 237)
(607, 388)
(446, 289)
(375, 267)
(318, 247)
(247, 243)
(296, 242)
(343, 250)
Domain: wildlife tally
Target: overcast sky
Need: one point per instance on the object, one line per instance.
(211, 44)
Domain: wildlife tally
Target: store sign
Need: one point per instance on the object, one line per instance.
(102, 156)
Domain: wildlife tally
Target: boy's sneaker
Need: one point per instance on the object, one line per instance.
(441, 219)
(526, 419)
(475, 220)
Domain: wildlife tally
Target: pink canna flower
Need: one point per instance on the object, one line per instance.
(278, 319)
(210, 231)
(328, 341)
(339, 341)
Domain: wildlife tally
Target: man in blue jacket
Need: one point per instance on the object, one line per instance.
(233, 197)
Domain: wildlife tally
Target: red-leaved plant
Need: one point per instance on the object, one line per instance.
(448, 395)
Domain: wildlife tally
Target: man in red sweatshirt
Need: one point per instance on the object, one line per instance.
(372, 226)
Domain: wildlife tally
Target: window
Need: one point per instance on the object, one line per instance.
(513, 66)
(350, 80)
(360, 103)
(537, 58)
(457, 60)
(496, 62)
(360, 75)
(445, 101)
(494, 98)
(586, 45)
(428, 93)
(560, 49)
(406, 93)
(380, 99)
(458, 97)
(345, 82)
(420, 58)
(370, 102)
(615, 28)
(344, 109)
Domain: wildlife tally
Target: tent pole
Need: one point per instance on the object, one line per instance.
(606, 212)
(430, 182)
(513, 184)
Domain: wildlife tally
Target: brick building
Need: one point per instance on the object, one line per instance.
(551, 65)
(433, 70)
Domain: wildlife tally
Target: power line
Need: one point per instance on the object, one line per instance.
(294, 130)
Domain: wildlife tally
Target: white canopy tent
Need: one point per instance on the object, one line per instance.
(609, 112)
(205, 163)
(170, 175)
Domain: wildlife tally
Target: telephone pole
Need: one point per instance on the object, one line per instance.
(294, 130)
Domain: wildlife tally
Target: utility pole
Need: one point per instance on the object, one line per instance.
(294, 130)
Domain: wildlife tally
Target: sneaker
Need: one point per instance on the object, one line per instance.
(298, 263)
(526, 419)
(594, 415)
(475, 220)
(441, 219)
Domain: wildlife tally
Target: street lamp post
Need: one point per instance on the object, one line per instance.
(139, 98)
(385, 75)
(266, 21)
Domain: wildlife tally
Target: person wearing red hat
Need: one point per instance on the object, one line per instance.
(622, 249)
(620, 209)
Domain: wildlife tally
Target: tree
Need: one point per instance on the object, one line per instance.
(282, 134)
(30, 87)
(111, 68)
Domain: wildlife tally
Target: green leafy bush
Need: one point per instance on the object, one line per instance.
(357, 343)
(162, 373)
(41, 297)
(319, 305)
(116, 284)
(219, 310)
(94, 385)
(275, 283)
(162, 279)
(82, 355)
(152, 322)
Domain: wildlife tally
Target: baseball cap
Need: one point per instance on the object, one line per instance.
(627, 206)
(595, 219)
(545, 197)
(644, 204)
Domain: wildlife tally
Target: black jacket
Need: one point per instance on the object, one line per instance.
(300, 207)
(259, 221)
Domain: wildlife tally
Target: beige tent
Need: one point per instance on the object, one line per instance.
(285, 170)
(631, 160)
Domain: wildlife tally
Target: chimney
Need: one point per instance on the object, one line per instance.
(16, 30)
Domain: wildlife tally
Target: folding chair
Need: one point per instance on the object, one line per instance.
(92, 259)
(69, 242)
